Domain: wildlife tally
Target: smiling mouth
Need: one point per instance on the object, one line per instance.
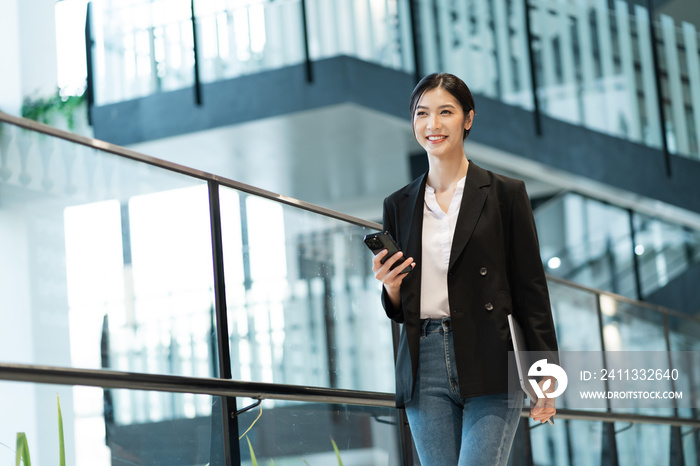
(436, 138)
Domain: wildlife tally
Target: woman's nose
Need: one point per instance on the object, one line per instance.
(433, 122)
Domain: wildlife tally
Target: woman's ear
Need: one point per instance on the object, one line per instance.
(469, 120)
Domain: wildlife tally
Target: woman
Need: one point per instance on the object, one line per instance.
(470, 236)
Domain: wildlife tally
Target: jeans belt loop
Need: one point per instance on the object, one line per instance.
(424, 327)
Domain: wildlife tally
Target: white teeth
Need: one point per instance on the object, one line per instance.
(435, 138)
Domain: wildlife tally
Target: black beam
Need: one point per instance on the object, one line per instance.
(533, 71)
(659, 90)
(90, 79)
(307, 55)
(195, 51)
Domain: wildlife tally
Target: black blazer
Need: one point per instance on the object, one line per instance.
(495, 269)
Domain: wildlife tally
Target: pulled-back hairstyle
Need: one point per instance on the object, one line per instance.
(451, 84)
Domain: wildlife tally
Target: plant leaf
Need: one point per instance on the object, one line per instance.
(252, 453)
(337, 453)
(61, 442)
(22, 450)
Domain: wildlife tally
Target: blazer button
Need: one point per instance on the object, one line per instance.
(483, 271)
(488, 307)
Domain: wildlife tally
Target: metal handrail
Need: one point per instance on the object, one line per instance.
(266, 391)
(183, 384)
(182, 169)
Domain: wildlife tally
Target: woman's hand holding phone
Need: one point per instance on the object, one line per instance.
(391, 278)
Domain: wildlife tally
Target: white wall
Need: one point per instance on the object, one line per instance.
(28, 54)
(10, 78)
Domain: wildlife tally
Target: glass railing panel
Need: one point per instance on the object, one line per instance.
(575, 317)
(145, 47)
(643, 444)
(595, 68)
(684, 335)
(141, 47)
(679, 63)
(591, 243)
(239, 38)
(575, 314)
(631, 327)
(106, 261)
(483, 41)
(303, 305)
(663, 252)
(586, 443)
(690, 439)
(377, 32)
(568, 443)
(288, 433)
(588, 242)
(158, 428)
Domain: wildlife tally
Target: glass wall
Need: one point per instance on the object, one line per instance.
(677, 29)
(144, 46)
(610, 248)
(595, 67)
(592, 62)
(483, 40)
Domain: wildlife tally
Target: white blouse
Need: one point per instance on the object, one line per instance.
(438, 232)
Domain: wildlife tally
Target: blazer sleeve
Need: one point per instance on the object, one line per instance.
(393, 312)
(529, 291)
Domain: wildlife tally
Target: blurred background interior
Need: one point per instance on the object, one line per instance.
(213, 227)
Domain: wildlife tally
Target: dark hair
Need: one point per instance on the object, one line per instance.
(451, 84)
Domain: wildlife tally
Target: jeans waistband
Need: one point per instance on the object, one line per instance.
(434, 325)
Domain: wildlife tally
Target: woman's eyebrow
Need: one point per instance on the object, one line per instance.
(441, 106)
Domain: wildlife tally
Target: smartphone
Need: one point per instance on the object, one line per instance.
(378, 241)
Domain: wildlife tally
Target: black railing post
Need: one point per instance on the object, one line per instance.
(228, 403)
(533, 71)
(609, 441)
(405, 436)
(307, 54)
(195, 52)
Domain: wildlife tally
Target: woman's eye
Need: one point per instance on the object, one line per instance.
(421, 113)
(446, 112)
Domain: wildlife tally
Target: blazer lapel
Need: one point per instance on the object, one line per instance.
(411, 237)
(473, 200)
(411, 215)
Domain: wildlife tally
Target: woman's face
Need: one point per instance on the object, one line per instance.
(439, 123)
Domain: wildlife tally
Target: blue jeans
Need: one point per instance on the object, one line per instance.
(448, 429)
